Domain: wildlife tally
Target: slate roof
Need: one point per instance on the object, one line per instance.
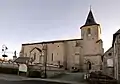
(114, 36)
(37, 49)
(22, 60)
(56, 41)
(90, 19)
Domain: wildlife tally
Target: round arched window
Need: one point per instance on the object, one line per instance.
(89, 32)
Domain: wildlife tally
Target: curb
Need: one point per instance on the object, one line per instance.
(52, 80)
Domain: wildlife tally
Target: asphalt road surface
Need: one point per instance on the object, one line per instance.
(29, 82)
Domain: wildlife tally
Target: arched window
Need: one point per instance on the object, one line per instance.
(89, 65)
(89, 31)
(34, 56)
(110, 62)
(52, 57)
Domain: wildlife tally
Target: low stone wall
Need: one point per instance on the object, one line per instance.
(51, 71)
(99, 78)
(52, 74)
(9, 65)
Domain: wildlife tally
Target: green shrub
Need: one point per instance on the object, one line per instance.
(8, 70)
(34, 74)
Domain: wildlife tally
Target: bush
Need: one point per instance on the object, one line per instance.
(34, 74)
(8, 70)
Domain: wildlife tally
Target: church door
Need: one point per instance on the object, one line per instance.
(89, 65)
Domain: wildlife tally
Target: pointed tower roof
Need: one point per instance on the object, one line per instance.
(118, 32)
(90, 19)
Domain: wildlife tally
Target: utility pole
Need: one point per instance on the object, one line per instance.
(45, 59)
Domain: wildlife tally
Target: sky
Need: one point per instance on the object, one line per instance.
(27, 21)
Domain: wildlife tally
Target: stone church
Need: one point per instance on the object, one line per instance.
(84, 53)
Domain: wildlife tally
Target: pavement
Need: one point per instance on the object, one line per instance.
(10, 77)
(29, 82)
(69, 78)
(9, 65)
(72, 77)
(19, 79)
(53, 76)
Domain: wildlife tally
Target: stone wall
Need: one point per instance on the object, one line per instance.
(66, 53)
(108, 67)
(117, 57)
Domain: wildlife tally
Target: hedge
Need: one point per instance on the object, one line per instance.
(8, 70)
(34, 74)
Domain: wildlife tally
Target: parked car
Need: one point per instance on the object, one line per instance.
(74, 69)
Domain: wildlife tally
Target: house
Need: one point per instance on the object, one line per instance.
(111, 58)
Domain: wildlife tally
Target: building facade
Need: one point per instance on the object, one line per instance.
(113, 55)
(108, 67)
(84, 53)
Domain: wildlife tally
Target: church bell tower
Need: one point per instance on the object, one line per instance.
(92, 43)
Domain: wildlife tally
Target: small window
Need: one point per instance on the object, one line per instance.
(52, 57)
(77, 44)
(34, 56)
(109, 54)
(119, 37)
(89, 31)
(110, 62)
(89, 65)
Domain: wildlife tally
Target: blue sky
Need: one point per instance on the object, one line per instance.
(24, 21)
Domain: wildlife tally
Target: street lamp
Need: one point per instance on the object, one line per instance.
(15, 56)
(4, 48)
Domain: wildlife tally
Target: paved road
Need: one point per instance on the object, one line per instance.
(14, 79)
(28, 82)
(73, 77)
(70, 78)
